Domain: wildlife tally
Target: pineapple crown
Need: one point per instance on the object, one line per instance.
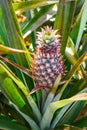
(47, 37)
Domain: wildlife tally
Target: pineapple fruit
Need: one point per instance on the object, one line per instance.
(47, 63)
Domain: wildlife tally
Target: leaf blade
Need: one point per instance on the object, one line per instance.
(48, 115)
(6, 123)
(22, 6)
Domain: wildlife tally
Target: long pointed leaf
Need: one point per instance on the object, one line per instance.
(81, 122)
(48, 115)
(8, 124)
(23, 69)
(72, 56)
(70, 74)
(66, 114)
(67, 127)
(10, 89)
(31, 122)
(52, 93)
(15, 38)
(3, 36)
(7, 50)
(22, 6)
(23, 89)
(78, 29)
(63, 20)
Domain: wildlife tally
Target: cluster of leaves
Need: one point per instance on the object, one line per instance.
(58, 107)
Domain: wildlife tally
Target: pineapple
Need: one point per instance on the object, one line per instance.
(47, 63)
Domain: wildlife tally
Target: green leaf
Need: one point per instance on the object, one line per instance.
(15, 38)
(70, 74)
(12, 27)
(30, 121)
(48, 115)
(71, 114)
(68, 114)
(42, 16)
(23, 69)
(60, 116)
(78, 85)
(23, 111)
(84, 45)
(8, 124)
(3, 36)
(11, 90)
(63, 21)
(82, 123)
(8, 89)
(22, 6)
(14, 33)
(70, 52)
(51, 93)
(72, 56)
(7, 50)
(14, 77)
(79, 5)
(32, 36)
(67, 127)
(79, 25)
(76, 66)
(23, 88)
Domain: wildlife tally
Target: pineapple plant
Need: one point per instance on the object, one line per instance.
(36, 93)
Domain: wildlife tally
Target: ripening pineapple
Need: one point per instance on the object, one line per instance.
(47, 63)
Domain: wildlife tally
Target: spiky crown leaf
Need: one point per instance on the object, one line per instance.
(47, 37)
